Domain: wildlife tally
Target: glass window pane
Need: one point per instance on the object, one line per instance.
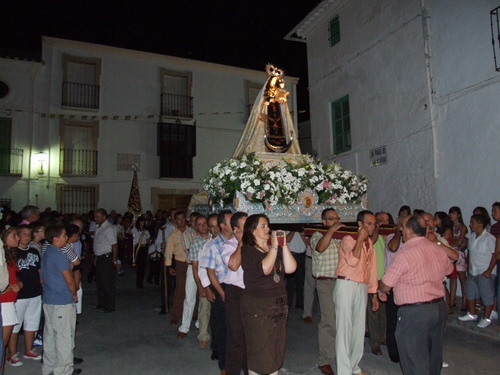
(345, 108)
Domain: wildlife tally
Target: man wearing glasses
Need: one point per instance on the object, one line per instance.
(325, 255)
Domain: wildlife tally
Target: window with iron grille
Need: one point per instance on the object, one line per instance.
(176, 99)
(80, 82)
(5, 203)
(76, 199)
(176, 149)
(78, 154)
(11, 159)
(341, 123)
(334, 31)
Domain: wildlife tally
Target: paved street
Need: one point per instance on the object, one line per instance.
(136, 340)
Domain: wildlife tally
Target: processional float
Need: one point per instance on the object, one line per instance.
(269, 174)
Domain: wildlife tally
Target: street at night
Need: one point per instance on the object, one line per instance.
(135, 339)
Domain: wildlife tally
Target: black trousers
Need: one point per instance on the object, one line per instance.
(213, 328)
(221, 334)
(141, 263)
(154, 271)
(170, 286)
(420, 336)
(295, 282)
(391, 311)
(105, 274)
(236, 355)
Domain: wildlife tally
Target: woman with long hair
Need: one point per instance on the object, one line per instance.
(264, 308)
(459, 243)
(8, 297)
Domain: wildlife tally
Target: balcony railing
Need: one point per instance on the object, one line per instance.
(80, 95)
(176, 105)
(78, 162)
(11, 162)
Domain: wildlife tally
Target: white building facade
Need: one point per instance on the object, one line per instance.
(88, 114)
(406, 93)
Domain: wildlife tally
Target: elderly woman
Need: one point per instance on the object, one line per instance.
(264, 308)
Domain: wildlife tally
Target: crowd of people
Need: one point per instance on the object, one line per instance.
(237, 279)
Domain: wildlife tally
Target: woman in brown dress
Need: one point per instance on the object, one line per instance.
(264, 308)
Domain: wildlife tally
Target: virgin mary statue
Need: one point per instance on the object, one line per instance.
(269, 129)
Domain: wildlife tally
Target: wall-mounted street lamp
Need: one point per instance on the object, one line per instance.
(41, 158)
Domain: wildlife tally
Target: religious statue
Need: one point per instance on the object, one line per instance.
(270, 128)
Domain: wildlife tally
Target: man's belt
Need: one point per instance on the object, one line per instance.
(104, 255)
(343, 278)
(325, 278)
(437, 300)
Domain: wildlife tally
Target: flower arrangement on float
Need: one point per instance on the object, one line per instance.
(283, 182)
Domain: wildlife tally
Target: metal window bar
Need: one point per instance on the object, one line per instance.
(495, 33)
(176, 105)
(80, 95)
(76, 199)
(11, 162)
(78, 162)
(5, 203)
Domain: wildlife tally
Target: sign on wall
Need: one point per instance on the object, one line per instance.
(378, 156)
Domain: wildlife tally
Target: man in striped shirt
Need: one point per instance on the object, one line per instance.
(416, 274)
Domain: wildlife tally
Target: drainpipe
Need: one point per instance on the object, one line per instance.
(426, 29)
(30, 156)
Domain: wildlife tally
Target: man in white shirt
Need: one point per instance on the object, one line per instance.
(106, 252)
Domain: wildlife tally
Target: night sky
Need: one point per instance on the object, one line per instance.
(247, 33)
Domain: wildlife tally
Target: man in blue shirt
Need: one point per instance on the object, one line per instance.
(59, 296)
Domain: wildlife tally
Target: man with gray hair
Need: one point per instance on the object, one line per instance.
(30, 214)
(325, 255)
(106, 252)
(416, 274)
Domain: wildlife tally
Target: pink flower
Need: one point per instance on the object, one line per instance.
(326, 184)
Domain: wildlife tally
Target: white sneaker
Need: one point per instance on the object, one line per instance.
(468, 318)
(493, 315)
(445, 364)
(485, 322)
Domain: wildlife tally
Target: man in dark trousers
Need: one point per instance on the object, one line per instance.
(106, 252)
(416, 275)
